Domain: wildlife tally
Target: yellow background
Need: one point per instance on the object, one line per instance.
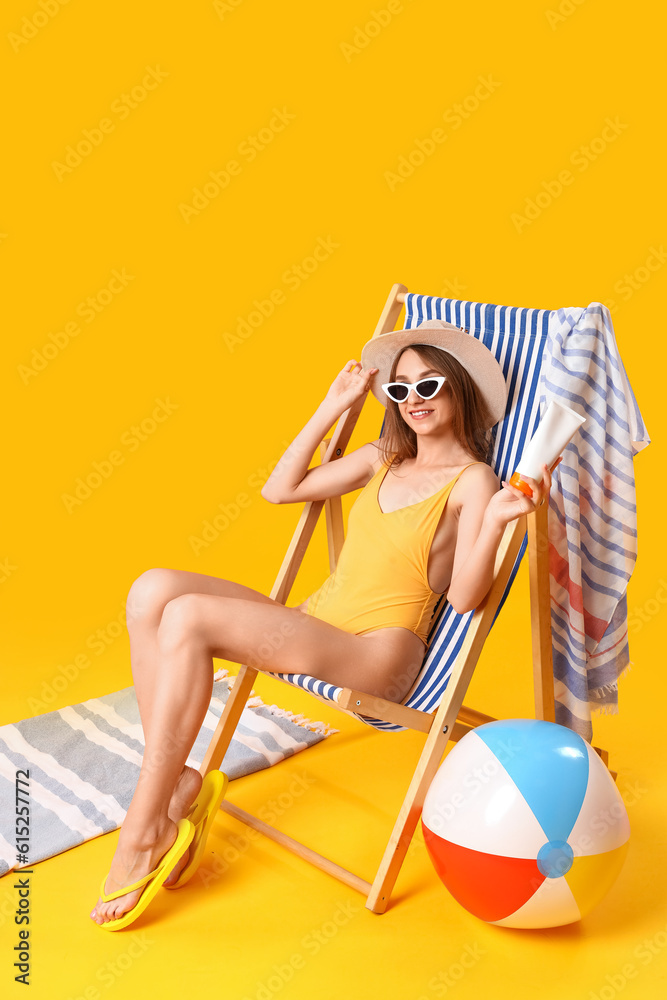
(361, 95)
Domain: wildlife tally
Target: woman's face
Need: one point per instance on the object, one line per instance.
(422, 415)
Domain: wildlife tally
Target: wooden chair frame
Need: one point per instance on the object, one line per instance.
(452, 719)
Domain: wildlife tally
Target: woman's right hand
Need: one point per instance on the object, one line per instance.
(349, 385)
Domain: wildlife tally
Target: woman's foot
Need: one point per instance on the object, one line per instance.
(187, 789)
(136, 855)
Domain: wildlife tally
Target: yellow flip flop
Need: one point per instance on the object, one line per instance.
(153, 881)
(202, 814)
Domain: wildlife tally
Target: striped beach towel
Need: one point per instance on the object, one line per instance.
(592, 515)
(543, 353)
(83, 763)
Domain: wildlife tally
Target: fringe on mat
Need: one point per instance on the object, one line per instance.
(254, 701)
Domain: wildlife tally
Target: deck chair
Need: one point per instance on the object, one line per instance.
(434, 706)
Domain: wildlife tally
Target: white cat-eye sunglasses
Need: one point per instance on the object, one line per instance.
(426, 388)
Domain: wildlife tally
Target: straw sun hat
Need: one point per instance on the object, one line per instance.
(380, 351)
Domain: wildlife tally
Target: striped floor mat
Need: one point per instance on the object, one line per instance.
(83, 764)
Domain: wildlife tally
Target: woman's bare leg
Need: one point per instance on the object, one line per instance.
(180, 704)
(147, 599)
(147, 831)
(194, 628)
(148, 596)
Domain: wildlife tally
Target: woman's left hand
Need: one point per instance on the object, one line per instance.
(510, 503)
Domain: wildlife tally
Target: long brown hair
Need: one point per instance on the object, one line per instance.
(470, 416)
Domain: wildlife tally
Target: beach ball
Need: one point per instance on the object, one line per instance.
(524, 824)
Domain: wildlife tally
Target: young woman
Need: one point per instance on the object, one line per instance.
(429, 520)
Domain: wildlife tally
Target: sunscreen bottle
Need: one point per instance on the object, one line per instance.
(555, 430)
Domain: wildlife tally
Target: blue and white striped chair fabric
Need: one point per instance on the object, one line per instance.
(517, 338)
